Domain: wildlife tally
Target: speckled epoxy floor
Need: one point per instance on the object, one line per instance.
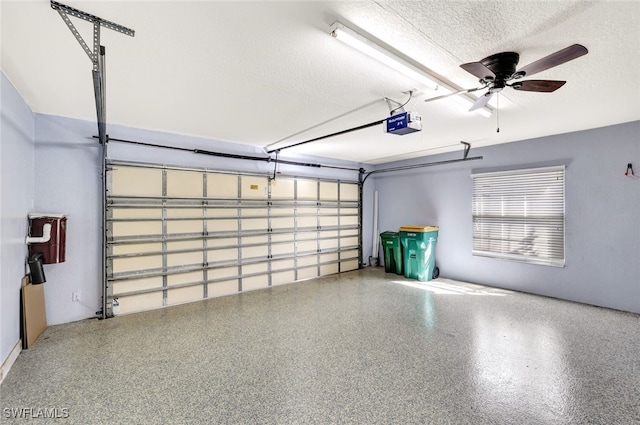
(363, 347)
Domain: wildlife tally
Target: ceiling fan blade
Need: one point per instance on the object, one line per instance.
(479, 70)
(545, 86)
(554, 59)
(482, 101)
(431, 99)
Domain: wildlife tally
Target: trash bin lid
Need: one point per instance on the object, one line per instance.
(423, 229)
(389, 234)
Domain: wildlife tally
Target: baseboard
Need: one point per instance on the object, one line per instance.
(13, 355)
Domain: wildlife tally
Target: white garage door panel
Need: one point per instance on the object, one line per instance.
(219, 289)
(349, 221)
(349, 232)
(222, 242)
(184, 259)
(307, 235)
(282, 212)
(282, 265)
(283, 248)
(285, 237)
(222, 186)
(215, 255)
(328, 244)
(136, 248)
(223, 272)
(222, 225)
(308, 246)
(254, 212)
(329, 212)
(255, 240)
(325, 258)
(182, 278)
(328, 191)
(207, 234)
(184, 184)
(308, 221)
(179, 245)
(349, 264)
(184, 295)
(253, 187)
(136, 228)
(183, 226)
(311, 260)
(283, 278)
(134, 181)
(347, 242)
(328, 269)
(120, 213)
(282, 188)
(254, 224)
(254, 252)
(121, 265)
(184, 212)
(329, 234)
(349, 192)
(307, 189)
(255, 282)
(349, 254)
(142, 302)
(308, 273)
(228, 212)
(346, 266)
(255, 268)
(307, 211)
(283, 223)
(125, 286)
(327, 221)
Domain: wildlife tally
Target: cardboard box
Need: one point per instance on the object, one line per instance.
(34, 316)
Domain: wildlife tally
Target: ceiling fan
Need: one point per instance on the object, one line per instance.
(498, 71)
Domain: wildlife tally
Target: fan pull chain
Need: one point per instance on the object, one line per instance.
(498, 113)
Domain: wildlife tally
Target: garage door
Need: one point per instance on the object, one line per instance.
(176, 235)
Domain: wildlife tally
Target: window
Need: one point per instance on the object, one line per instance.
(519, 215)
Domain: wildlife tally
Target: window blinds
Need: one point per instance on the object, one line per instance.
(519, 215)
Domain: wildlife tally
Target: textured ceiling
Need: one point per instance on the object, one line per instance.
(259, 72)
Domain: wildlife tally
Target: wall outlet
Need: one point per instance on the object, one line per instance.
(75, 296)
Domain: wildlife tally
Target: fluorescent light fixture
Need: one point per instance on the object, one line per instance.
(368, 47)
(375, 51)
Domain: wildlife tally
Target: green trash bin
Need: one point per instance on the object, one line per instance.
(419, 246)
(392, 252)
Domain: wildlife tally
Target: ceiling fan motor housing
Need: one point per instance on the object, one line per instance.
(503, 65)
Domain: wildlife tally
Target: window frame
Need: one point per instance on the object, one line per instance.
(518, 190)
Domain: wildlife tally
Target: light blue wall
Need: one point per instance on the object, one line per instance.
(602, 215)
(16, 195)
(68, 182)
